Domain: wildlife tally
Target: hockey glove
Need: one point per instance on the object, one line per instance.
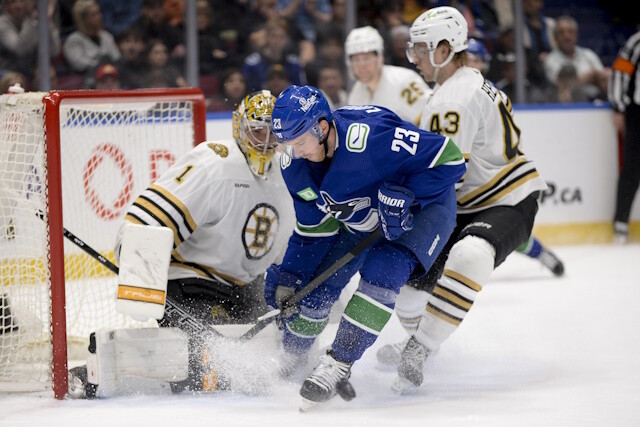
(394, 203)
(279, 286)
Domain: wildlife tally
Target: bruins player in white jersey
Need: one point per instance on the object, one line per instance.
(497, 197)
(399, 89)
(230, 215)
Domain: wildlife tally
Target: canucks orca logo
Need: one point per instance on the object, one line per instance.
(343, 211)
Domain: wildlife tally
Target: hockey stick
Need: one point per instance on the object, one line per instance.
(317, 281)
(171, 307)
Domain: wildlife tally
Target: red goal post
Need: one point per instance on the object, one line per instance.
(76, 159)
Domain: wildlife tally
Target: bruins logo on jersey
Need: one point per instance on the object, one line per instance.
(259, 231)
(219, 149)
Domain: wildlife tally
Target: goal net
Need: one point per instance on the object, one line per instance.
(74, 160)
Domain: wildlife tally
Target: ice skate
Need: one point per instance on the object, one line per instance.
(411, 366)
(389, 354)
(79, 387)
(552, 262)
(329, 378)
(288, 362)
(620, 232)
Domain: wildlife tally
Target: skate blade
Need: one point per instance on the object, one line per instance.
(307, 405)
(401, 385)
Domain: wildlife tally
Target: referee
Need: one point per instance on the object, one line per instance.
(624, 96)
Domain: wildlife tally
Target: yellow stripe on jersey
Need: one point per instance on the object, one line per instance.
(177, 204)
(134, 219)
(511, 187)
(161, 216)
(489, 185)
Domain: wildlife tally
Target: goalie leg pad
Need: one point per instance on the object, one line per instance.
(470, 263)
(148, 358)
(145, 253)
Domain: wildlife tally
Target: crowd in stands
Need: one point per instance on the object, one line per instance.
(250, 44)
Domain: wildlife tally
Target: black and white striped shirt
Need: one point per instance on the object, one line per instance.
(624, 85)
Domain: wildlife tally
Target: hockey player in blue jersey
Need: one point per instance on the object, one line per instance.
(349, 171)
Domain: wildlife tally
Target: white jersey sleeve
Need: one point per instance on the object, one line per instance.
(401, 90)
(478, 118)
(228, 225)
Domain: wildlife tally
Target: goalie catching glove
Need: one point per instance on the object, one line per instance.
(394, 209)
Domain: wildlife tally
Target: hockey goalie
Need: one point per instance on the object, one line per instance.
(202, 235)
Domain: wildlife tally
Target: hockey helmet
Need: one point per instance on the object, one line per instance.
(363, 40)
(299, 109)
(436, 25)
(252, 130)
(479, 57)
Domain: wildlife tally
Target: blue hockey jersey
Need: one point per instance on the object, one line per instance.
(373, 145)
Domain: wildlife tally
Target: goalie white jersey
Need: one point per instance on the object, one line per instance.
(478, 118)
(228, 225)
(401, 90)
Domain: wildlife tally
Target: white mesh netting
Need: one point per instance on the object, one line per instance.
(110, 151)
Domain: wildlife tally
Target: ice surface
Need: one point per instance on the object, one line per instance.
(534, 351)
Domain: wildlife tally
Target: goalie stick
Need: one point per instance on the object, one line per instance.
(317, 281)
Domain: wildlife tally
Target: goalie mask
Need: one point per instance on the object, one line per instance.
(252, 130)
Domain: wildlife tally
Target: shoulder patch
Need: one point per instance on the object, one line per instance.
(219, 149)
(307, 194)
(357, 135)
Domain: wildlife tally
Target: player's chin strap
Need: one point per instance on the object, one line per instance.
(436, 68)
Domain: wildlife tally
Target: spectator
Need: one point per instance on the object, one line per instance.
(174, 13)
(53, 79)
(90, 45)
(538, 40)
(253, 32)
(156, 58)
(338, 10)
(533, 94)
(11, 78)
(569, 88)
(274, 52)
(212, 53)
(331, 83)
(154, 26)
(306, 15)
(233, 88)
(399, 37)
(19, 36)
(624, 95)
(585, 61)
(107, 77)
(390, 17)
(131, 64)
(277, 79)
(119, 16)
(330, 51)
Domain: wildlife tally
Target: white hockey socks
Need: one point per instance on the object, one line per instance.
(468, 267)
(410, 305)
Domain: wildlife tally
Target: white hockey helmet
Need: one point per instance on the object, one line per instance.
(435, 25)
(362, 40)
